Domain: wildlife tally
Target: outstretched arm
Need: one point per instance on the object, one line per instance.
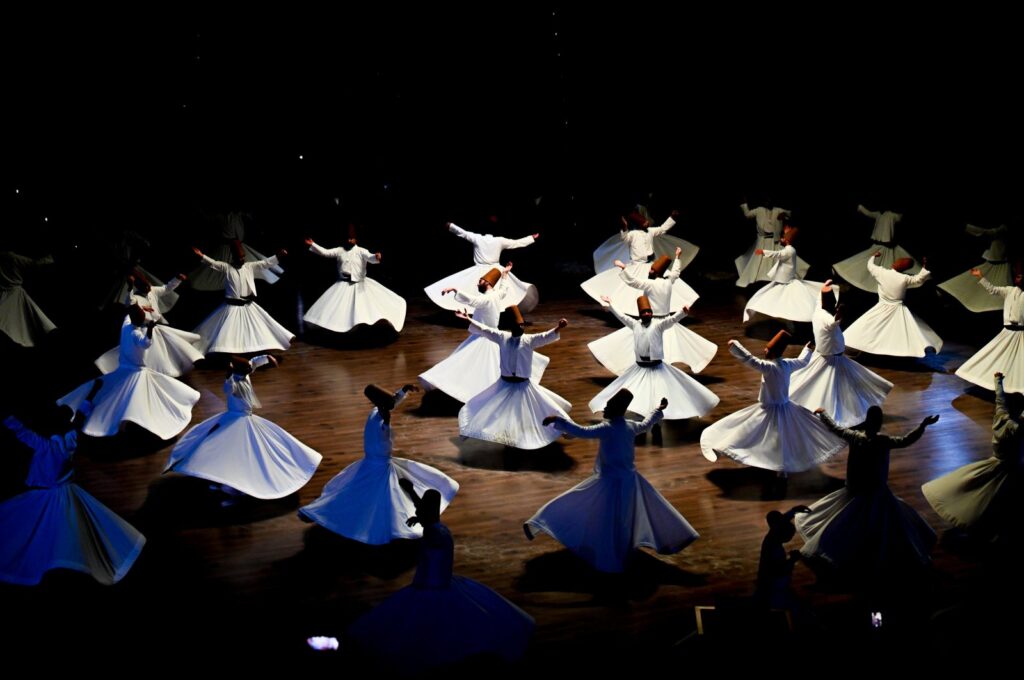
(263, 360)
(844, 433)
(741, 353)
(653, 418)
(665, 226)
(913, 435)
(462, 233)
(868, 213)
(573, 429)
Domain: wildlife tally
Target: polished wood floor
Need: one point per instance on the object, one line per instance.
(253, 580)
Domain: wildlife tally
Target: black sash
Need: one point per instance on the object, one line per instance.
(644, 362)
(237, 302)
(513, 379)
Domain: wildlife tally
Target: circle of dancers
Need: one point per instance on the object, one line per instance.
(809, 408)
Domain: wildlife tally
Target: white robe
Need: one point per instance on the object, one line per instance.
(995, 267)
(1005, 352)
(354, 299)
(243, 450)
(786, 296)
(775, 433)
(751, 267)
(607, 516)
(833, 381)
(620, 247)
(153, 401)
(890, 328)
(486, 256)
(21, 319)
(365, 503)
(473, 366)
(174, 351)
(55, 524)
(511, 413)
(854, 269)
(687, 398)
(241, 329)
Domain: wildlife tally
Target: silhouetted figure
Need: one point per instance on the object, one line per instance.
(512, 409)
(883, 238)
(984, 497)
(1005, 352)
(239, 325)
(355, 298)
(440, 618)
(863, 531)
(832, 380)
(775, 567)
(365, 501)
(154, 401)
(486, 255)
(54, 523)
(606, 517)
(242, 450)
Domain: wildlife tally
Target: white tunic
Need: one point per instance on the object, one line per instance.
(487, 248)
(828, 335)
(769, 220)
(893, 285)
(885, 224)
(487, 306)
(351, 261)
(658, 291)
(641, 241)
(516, 353)
(1005, 352)
(156, 301)
(1013, 301)
(238, 281)
(647, 340)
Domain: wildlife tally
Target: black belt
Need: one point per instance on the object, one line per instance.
(513, 379)
(650, 258)
(1014, 327)
(887, 244)
(648, 363)
(768, 234)
(237, 302)
(997, 261)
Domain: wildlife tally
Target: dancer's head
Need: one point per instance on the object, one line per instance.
(488, 280)
(780, 526)
(659, 267)
(777, 345)
(237, 253)
(643, 307)
(828, 298)
(511, 320)
(617, 405)
(142, 285)
(239, 366)
(903, 264)
(380, 397)
(136, 315)
(873, 420)
(789, 234)
(352, 235)
(428, 507)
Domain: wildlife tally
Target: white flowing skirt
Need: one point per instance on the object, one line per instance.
(605, 518)
(624, 297)
(751, 267)
(419, 628)
(21, 319)
(473, 367)
(873, 533)
(512, 414)
(614, 248)
(1003, 354)
(204, 278)
(975, 495)
(854, 269)
(968, 292)
(345, 305)
(796, 300)
(153, 401)
(840, 385)
(680, 345)
(519, 292)
(173, 352)
(64, 528)
(687, 398)
(246, 452)
(892, 330)
(242, 329)
(365, 503)
(781, 437)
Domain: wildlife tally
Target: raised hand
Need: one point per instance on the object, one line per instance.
(548, 420)
(462, 314)
(562, 323)
(878, 253)
(378, 257)
(536, 236)
(620, 264)
(508, 267)
(409, 387)
(445, 291)
(663, 405)
(930, 420)
(607, 300)
(308, 241)
(198, 252)
(976, 273)
(679, 251)
(759, 251)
